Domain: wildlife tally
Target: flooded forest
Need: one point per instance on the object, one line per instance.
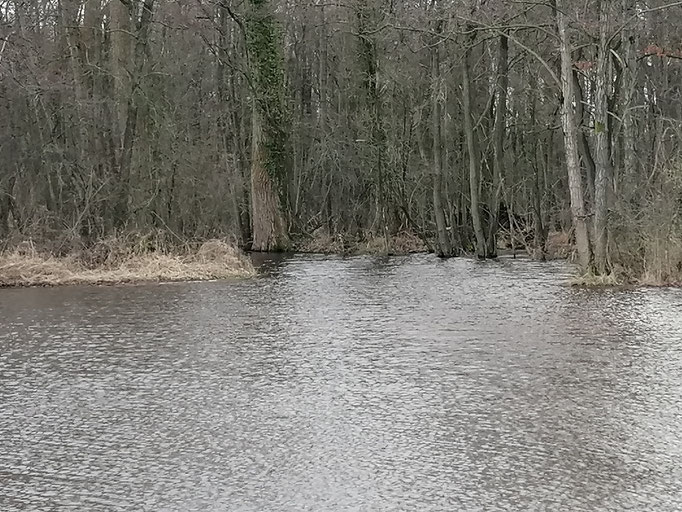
(457, 127)
(353, 255)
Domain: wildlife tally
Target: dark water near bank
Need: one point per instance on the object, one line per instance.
(343, 384)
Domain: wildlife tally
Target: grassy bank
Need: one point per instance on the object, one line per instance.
(108, 263)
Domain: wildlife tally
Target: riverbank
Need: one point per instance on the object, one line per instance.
(621, 279)
(25, 266)
(138, 258)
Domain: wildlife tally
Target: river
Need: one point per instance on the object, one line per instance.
(339, 384)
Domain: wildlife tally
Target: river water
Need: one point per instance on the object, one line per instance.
(331, 384)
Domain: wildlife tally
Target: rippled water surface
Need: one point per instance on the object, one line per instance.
(343, 384)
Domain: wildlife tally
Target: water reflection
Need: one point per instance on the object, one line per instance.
(343, 384)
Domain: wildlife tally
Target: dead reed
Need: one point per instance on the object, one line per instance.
(215, 259)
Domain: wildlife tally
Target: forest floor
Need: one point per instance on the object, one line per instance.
(24, 266)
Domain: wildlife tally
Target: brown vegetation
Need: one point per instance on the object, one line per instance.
(323, 243)
(365, 119)
(111, 263)
(646, 246)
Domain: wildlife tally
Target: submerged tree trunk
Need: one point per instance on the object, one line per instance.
(570, 129)
(268, 138)
(603, 147)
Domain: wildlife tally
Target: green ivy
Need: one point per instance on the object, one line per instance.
(264, 44)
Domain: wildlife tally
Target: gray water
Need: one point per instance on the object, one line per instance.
(336, 384)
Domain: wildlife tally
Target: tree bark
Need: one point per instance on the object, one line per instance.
(268, 137)
(474, 157)
(131, 124)
(121, 46)
(444, 247)
(570, 129)
(268, 226)
(603, 147)
(70, 10)
(498, 141)
(629, 88)
(367, 23)
(583, 143)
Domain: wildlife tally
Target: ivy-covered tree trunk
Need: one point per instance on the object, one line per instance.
(269, 137)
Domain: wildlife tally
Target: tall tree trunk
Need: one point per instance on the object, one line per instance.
(583, 143)
(83, 136)
(367, 23)
(444, 248)
(92, 18)
(603, 147)
(629, 88)
(539, 156)
(474, 157)
(268, 138)
(122, 199)
(570, 128)
(226, 132)
(70, 9)
(498, 136)
(121, 46)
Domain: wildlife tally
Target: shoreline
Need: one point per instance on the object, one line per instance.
(113, 263)
(213, 261)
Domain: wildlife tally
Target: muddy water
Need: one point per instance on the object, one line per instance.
(343, 384)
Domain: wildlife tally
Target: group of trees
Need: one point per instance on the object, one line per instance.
(275, 119)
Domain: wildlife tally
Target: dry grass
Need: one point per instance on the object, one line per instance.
(322, 243)
(399, 244)
(592, 280)
(559, 246)
(212, 260)
(646, 242)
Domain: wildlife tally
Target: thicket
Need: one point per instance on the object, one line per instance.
(461, 126)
